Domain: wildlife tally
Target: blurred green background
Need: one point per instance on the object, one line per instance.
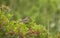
(45, 12)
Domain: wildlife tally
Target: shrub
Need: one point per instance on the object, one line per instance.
(15, 28)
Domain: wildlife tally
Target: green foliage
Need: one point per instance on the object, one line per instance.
(11, 28)
(44, 14)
